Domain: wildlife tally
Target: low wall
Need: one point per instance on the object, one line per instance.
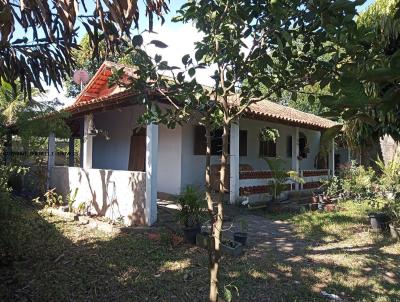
(257, 182)
(110, 193)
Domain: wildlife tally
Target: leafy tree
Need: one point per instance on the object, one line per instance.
(44, 53)
(306, 100)
(363, 77)
(248, 44)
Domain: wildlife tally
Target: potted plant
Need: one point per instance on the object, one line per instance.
(242, 235)
(191, 213)
(231, 248)
(280, 177)
(379, 220)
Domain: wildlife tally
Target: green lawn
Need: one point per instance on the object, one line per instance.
(55, 260)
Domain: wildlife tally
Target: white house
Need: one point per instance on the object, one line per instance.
(124, 165)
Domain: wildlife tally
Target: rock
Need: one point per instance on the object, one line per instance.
(64, 208)
(83, 220)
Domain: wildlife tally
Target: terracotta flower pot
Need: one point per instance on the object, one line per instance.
(330, 207)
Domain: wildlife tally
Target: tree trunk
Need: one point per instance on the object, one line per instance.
(210, 206)
(217, 228)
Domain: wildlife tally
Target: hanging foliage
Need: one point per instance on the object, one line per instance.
(268, 134)
(43, 53)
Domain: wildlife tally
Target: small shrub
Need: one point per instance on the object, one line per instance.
(334, 187)
(389, 179)
(244, 225)
(71, 198)
(82, 208)
(358, 182)
(389, 185)
(52, 199)
(192, 207)
(280, 176)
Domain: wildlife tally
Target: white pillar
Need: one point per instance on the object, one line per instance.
(51, 156)
(234, 163)
(151, 173)
(87, 142)
(296, 152)
(333, 157)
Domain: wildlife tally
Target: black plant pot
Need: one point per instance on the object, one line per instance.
(190, 233)
(379, 221)
(240, 237)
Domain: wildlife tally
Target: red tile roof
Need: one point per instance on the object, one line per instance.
(95, 95)
(267, 109)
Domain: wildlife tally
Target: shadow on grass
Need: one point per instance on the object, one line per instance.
(54, 260)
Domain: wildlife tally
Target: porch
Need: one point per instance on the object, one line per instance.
(297, 147)
(117, 176)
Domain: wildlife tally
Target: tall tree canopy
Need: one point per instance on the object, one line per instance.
(364, 76)
(37, 38)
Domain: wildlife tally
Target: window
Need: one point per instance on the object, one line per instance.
(303, 147)
(216, 141)
(242, 142)
(267, 148)
(289, 149)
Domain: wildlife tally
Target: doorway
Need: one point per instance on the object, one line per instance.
(137, 153)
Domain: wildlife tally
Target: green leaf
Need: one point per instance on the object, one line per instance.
(137, 40)
(158, 44)
(180, 77)
(157, 58)
(192, 72)
(199, 54)
(227, 294)
(185, 59)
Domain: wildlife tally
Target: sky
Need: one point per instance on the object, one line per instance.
(179, 37)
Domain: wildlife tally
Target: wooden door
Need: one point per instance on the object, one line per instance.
(137, 154)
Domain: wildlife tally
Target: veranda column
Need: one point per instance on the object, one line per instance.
(51, 156)
(234, 163)
(295, 153)
(87, 142)
(333, 157)
(151, 173)
(71, 152)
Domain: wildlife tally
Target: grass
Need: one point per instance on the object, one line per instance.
(55, 260)
(351, 218)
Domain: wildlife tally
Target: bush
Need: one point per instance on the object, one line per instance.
(334, 186)
(192, 207)
(389, 186)
(358, 182)
(389, 180)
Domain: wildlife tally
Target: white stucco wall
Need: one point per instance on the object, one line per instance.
(113, 194)
(169, 160)
(114, 153)
(193, 166)
(177, 164)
